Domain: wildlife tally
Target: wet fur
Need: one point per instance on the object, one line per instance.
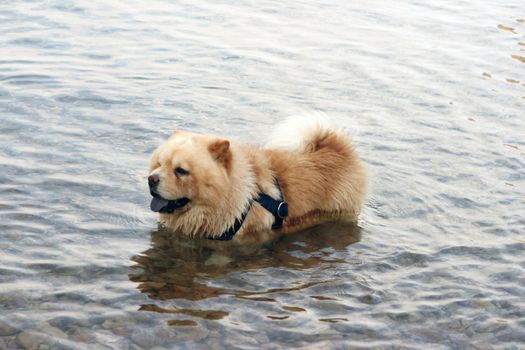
(319, 171)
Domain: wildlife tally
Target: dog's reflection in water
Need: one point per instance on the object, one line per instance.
(177, 268)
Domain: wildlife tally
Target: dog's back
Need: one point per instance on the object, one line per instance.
(320, 172)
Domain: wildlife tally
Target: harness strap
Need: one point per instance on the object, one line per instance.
(278, 208)
(228, 235)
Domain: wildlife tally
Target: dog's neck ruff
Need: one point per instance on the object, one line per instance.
(277, 207)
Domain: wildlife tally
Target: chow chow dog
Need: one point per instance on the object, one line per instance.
(211, 187)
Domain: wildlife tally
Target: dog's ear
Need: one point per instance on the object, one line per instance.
(220, 151)
(154, 160)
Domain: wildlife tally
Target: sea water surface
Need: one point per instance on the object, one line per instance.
(433, 93)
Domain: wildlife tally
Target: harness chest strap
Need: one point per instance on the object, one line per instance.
(278, 208)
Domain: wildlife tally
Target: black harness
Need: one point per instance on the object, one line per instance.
(278, 208)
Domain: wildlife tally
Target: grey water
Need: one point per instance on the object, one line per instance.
(433, 94)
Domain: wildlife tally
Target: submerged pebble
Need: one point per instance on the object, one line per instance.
(32, 341)
(6, 329)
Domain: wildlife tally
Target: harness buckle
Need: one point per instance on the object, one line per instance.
(282, 210)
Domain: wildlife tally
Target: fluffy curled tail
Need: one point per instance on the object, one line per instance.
(302, 134)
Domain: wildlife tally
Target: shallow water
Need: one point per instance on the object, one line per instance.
(433, 95)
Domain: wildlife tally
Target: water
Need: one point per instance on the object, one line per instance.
(433, 95)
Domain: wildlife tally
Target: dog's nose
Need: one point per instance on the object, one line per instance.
(153, 180)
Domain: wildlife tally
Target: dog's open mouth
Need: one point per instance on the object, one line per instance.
(165, 206)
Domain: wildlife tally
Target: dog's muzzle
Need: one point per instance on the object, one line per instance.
(161, 205)
(164, 206)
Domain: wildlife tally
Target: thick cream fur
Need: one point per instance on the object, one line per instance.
(318, 169)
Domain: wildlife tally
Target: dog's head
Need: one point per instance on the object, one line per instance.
(188, 170)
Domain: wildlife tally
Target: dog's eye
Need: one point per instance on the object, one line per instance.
(181, 172)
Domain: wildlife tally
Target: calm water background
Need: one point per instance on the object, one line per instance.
(433, 94)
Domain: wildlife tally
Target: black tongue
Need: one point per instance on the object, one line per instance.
(158, 203)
